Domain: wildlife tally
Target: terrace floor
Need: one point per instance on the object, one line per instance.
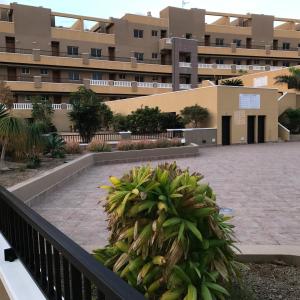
(261, 183)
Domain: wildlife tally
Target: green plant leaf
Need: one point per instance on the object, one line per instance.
(205, 293)
(194, 230)
(216, 287)
(172, 222)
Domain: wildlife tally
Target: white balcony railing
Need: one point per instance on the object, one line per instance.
(145, 84)
(224, 66)
(122, 83)
(183, 64)
(259, 68)
(184, 86)
(164, 85)
(238, 67)
(205, 66)
(28, 106)
(243, 67)
(99, 82)
(22, 106)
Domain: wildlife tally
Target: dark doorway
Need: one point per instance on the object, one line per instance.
(163, 34)
(56, 75)
(251, 130)
(261, 129)
(10, 44)
(57, 99)
(11, 74)
(207, 40)
(226, 130)
(275, 44)
(249, 43)
(55, 48)
(111, 53)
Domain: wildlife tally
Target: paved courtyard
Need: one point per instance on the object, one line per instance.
(261, 183)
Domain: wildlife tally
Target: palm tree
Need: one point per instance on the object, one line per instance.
(11, 130)
(232, 82)
(292, 80)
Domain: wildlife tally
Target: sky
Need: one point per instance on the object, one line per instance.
(117, 8)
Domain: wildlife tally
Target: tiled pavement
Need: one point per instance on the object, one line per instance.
(261, 183)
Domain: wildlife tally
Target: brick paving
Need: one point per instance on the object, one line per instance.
(261, 183)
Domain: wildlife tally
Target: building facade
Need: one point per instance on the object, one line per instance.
(52, 54)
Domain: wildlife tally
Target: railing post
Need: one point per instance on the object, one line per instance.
(36, 54)
(37, 81)
(233, 68)
(155, 85)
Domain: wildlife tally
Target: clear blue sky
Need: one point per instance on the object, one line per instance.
(117, 8)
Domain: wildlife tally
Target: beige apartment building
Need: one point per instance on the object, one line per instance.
(51, 54)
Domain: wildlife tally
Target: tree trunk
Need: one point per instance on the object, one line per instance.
(3, 166)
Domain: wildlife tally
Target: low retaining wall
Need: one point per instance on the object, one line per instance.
(146, 154)
(32, 190)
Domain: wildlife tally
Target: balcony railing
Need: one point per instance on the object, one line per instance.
(239, 67)
(184, 86)
(130, 83)
(145, 84)
(60, 267)
(28, 106)
(164, 85)
(183, 64)
(122, 83)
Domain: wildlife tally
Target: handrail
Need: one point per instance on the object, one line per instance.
(59, 266)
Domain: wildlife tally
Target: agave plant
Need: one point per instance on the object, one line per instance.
(56, 146)
(168, 239)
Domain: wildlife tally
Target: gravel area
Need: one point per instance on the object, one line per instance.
(269, 282)
(18, 171)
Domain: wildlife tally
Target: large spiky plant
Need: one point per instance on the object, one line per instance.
(11, 130)
(292, 80)
(168, 239)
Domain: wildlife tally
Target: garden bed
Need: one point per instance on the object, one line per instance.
(18, 171)
(268, 282)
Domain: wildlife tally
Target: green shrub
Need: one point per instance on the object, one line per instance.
(99, 146)
(168, 239)
(33, 162)
(56, 146)
(232, 82)
(73, 148)
(148, 144)
(290, 118)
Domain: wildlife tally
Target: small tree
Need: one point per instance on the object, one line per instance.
(145, 120)
(292, 80)
(194, 115)
(232, 82)
(120, 123)
(89, 114)
(6, 95)
(42, 111)
(170, 120)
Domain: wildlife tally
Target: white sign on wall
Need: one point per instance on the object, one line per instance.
(260, 81)
(249, 101)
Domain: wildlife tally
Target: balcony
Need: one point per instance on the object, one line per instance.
(130, 84)
(185, 64)
(239, 67)
(56, 267)
(28, 106)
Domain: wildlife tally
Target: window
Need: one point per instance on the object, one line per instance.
(74, 75)
(285, 64)
(220, 61)
(27, 98)
(155, 78)
(188, 36)
(122, 76)
(44, 71)
(95, 52)
(154, 33)
(285, 46)
(139, 78)
(298, 45)
(96, 76)
(44, 97)
(25, 71)
(139, 56)
(237, 42)
(267, 62)
(256, 62)
(237, 62)
(163, 34)
(137, 33)
(154, 55)
(249, 62)
(219, 42)
(72, 50)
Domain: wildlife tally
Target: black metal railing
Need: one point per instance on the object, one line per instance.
(105, 137)
(157, 136)
(60, 267)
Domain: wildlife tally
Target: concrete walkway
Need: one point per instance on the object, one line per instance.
(261, 183)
